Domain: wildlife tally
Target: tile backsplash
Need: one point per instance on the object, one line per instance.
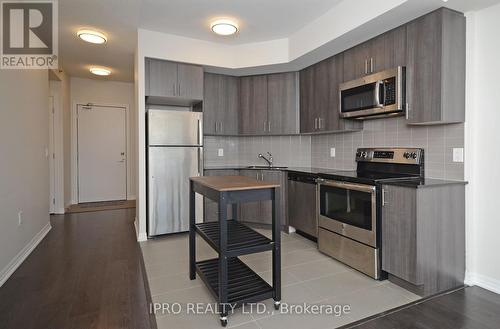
(293, 151)
(438, 142)
(315, 151)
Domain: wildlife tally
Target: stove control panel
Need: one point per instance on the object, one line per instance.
(390, 155)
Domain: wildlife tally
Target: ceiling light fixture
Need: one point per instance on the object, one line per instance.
(101, 71)
(92, 36)
(224, 27)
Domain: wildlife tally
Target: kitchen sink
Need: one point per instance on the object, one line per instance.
(266, 167)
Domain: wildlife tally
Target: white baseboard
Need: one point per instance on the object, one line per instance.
(23, 254)
(140, 236)
(475, 279)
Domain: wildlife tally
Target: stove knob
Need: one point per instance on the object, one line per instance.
(406, 155)
(414, 155)
(363, 154)
(358, 154)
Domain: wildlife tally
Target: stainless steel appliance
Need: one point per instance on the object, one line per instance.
(175, 153)
(302, 207)
(375, 95)
(349, 204)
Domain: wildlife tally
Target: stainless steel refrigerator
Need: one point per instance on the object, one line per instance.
(175, 153)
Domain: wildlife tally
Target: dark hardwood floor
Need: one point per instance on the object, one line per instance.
(86, 273)
(467, 308)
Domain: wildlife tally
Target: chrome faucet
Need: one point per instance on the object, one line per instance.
(268, 160)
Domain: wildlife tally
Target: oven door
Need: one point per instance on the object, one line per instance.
(349, 210)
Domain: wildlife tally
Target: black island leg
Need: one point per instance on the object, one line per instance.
(192, 232)
(276, 252)
(223, 279)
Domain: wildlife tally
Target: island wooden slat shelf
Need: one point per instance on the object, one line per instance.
(227, 277)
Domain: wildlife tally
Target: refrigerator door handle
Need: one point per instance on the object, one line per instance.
(200, 161)
(200, 133)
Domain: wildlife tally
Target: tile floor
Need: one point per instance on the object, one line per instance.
(308, 276)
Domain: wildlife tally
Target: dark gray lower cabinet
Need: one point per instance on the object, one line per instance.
(251, 211)
(423, 236)
(211, 208)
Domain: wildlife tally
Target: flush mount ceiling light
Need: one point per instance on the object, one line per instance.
(101, 71)
(224, 27)
(92, 36)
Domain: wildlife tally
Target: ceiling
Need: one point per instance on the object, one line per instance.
(259, 20)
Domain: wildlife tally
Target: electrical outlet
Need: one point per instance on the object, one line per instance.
(220, 152)
(19, 218)
(332, 152)
(458, 155)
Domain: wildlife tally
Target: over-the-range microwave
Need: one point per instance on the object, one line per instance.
(375, 95)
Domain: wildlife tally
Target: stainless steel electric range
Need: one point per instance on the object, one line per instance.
(349, 205)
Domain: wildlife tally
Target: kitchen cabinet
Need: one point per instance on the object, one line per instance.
(383, 52)
(253, 105)
(211, 208)
(282, 103)
(319, 98)
(268, 104)
(220, 104)
(435, 68)
(423, 236)
(170, 83)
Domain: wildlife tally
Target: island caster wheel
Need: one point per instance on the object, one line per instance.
(223, 321)
(277, 305)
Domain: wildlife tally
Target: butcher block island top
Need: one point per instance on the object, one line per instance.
(232, 183)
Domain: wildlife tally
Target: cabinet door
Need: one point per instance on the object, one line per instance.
(399, 233)
(282, 103)
(423, 79)
(162, 78)
(228, 116)
(267, 206)
(388, 50)
(212, 102)
(253, 105)
(190, 81)
(307, 109)
(250, 211)
(356, 61)
(212, 207)
(321, 85)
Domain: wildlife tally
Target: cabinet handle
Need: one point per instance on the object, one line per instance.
(174, 91)
(269, 126)
(383, 198)
(320, 124)
(371, 64)
(366, 66)
(221, 126)
(407, 111)
(315, 123)
(216, 126)
(179, 89)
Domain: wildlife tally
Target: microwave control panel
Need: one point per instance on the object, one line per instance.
(390, 91)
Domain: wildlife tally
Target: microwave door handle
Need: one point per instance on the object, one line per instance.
(377, 93)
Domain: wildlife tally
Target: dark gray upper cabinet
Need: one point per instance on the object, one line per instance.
(383, 52)
(268, 104)
(282, 114)
(220, 104)
(319, 98)
(253, 105)
(172, 83)
(423, 236)
(435, 68)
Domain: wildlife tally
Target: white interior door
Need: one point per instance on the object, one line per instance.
(52, 170)
(102, 162)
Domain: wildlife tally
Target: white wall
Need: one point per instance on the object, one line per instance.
(482, 145)
(24, 167)
(110, 92)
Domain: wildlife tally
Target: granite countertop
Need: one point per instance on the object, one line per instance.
(427, 182)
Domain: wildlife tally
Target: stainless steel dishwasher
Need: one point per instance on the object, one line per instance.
(302, 209)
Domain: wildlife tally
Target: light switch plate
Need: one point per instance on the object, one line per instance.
(458, 155)
(332, 152)
(220, 152)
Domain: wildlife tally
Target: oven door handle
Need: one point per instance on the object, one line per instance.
(350, 186)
